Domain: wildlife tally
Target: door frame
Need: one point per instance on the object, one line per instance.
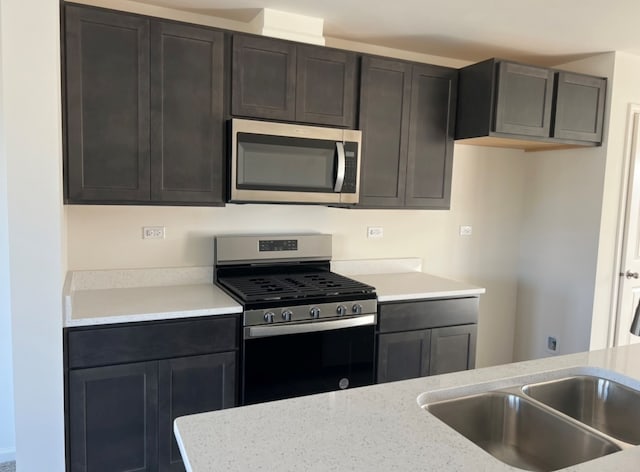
(633, 113)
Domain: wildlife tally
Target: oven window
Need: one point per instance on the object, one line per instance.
(302, 364)
(281, 163)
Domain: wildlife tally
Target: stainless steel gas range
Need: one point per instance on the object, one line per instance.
(306, 329)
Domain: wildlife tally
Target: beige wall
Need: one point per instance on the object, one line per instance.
(31, 149)
(487, 187)
(570, 233)
(7, 425)
(626, 91)
(559, 242)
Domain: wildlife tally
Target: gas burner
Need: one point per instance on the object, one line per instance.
(286, 285)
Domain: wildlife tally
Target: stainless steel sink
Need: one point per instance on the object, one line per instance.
(603, 404)
(520, 433)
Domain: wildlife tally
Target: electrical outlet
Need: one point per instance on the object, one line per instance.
(466, 230)
(153, 232)
(552, 344)
(375, 232)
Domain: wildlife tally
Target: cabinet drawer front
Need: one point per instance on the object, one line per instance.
(120, 344)
(427, 314)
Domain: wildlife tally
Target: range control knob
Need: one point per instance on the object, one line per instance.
(356, 308)
(315, 312)
(341, 310)
(286, 315)
(268, 317)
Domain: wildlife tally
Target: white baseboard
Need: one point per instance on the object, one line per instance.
(7, 455)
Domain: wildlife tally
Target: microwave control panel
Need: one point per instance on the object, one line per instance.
(350, 168)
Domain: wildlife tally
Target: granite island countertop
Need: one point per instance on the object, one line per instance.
(382, 427)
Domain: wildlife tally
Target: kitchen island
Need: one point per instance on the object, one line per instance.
(382, 427)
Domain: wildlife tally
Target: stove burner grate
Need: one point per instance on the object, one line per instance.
(251, 288)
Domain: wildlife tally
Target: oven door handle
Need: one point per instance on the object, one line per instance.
(342, 163)
(251, 332)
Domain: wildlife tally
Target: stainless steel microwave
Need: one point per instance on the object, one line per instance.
(278, 162)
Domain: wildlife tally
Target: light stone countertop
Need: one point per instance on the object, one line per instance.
(403, 279)
(125, 305)
(132, 295)
(382, 427)
(416, 286)
(95, 297)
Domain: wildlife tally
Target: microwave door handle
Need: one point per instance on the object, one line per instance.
(341, 167)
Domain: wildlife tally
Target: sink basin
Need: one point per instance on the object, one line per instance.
(603, 404)
(520, 433)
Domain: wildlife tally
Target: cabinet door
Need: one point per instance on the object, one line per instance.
(187, 124)
(107, 105)
(453, 348)
(524, 96)
(264, 74)
(191, 385)
(431, 131)
(384, 119)
(113, 418)
(403, 355)
(579, 107)
(325, 86)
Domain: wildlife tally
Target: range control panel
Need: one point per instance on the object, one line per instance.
(271, 245)
(314, 312)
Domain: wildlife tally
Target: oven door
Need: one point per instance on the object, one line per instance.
(290, 365)
(278, 162)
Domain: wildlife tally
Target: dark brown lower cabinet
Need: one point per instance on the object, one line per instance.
(414, 339)
(188, 386)
(403, 355)
(113, 418)
(453, 348)
(120, 417)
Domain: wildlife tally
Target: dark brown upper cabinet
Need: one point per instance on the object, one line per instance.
(107, 105)
(280, 80)
(579, 107)
(407, 117)
(506, 104)
(264, 74)
(144, 110)
(523, 100)
(187, 117)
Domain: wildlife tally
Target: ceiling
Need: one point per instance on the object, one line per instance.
(546, 32)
